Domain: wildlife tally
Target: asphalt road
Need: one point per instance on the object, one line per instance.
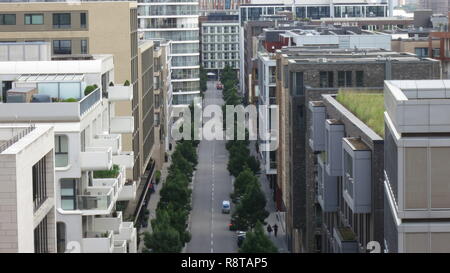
(212, 185)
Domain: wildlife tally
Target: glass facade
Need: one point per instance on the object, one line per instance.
(177, 23)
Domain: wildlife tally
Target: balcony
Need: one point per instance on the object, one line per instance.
(125, 159)
(114, 141)
(120, 93)
(49, 111)
(334, 132)
(128, 192)
(317, 131)
(327, 193)
(128, 233)
(96, 158)
(345, 240)
(122, 125)
(120, 246)
(108, 223)
(96, 200)
(357, 175)
(98, 242)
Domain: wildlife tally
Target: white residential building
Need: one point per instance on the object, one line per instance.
(27, 189)
(177, 21)
(90, 165)
(220, 45)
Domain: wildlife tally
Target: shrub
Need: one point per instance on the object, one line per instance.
(126, 83)
(157, 176)
(70, 100)
(113, 173)
(89, 89)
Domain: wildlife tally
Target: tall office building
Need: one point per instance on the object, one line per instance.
(175, 20)
(438, 6)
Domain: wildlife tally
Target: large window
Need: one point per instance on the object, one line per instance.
(39, 183)
(68, 194)
(421, 51)
(34, 19)
(61, 151)
(84, 47)
(41, 237)
(344, 78)
(61, 237)
(62, 47)
(7, 19)
(83, 20)
(326, 79)
(61, 20)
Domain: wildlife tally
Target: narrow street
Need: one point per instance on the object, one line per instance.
(212, 184)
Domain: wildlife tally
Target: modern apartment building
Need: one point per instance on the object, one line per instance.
(27, 189)
(215, 5)
(176, 21)
(220, 45)
(84, 28)
(416, 166)
(303, 75)
(89, 159)
(348, 162)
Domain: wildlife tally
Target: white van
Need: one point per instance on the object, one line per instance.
(226, 206)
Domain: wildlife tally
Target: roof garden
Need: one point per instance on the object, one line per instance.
(367, 106)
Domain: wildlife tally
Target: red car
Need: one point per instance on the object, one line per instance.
(219, 86)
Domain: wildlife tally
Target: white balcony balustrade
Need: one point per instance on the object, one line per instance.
(122, 125)
(120, 93)
(96, 158)
(98, 242)
(125, 159)
(109, 140)
(120, 246)
(128, 192)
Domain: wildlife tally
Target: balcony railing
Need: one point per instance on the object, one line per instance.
(109, 140)
(90, 100)
(98, 242)
(16, 138)
(95, 199)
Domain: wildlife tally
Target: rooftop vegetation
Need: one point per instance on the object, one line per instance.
(367, 106)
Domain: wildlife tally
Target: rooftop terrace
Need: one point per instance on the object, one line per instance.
(367, 106)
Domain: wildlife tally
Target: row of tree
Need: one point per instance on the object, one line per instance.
(247, 196)
(169, 227)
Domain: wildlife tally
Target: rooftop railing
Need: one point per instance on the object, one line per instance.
(16, 138)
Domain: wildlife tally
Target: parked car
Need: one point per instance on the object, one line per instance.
(219, 86)
(226, 206)
(240, 237)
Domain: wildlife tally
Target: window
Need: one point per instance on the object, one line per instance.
(61, 20)
(61, 237)
(83, 20)
(34, 19)
(7, 19)
(84, 47)
(359, 78)
(41, 237)
(68, 194)
(62, 47)
(61, 151)
(344, 78)
(326, 79)
(39, 183)
(421, 52)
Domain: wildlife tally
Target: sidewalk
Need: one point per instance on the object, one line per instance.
(275, 217)
(153, 204)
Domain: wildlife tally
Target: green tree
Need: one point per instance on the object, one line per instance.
(203, 79)
(242, 182)
(164, 238)
(253, 164)
(257, 241)
(251, 209)
(188, 151)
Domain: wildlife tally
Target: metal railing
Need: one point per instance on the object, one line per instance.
(16, 138)
(87, 102)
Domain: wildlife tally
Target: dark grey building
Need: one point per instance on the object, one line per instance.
(303, 75)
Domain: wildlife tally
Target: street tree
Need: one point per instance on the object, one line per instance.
(256, 241)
